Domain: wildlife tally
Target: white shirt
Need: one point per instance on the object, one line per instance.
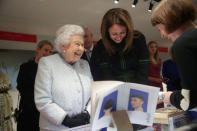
(89, 52)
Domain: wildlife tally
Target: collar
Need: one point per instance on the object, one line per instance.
(91, 48)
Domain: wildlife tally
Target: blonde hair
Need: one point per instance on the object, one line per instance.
(44, 42)
(156, 55)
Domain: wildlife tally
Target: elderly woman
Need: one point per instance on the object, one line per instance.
(63, 80)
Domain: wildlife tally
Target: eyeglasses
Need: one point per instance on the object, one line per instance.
(119, 34)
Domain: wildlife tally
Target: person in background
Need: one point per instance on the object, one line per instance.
(6, 103)
(154, 77)
(29, 116)
(88, 44)
(170, 74)
(63, 83)
(174, 19)
(122, 53)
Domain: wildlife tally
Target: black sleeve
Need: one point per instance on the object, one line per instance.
(164, 70)
(143, 60)
(21, 79)
(92, 63)
(176, 98)
(95, 60)
(185, 57)
(186, 64)
(25, 81)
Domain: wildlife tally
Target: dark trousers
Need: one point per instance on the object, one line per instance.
(28, 122)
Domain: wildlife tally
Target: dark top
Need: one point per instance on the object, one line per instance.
(84, 56)
(29, 118)
(170, 71)
(184, 52)
(132, 66)
(154, 71)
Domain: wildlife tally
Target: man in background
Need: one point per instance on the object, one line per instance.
(88, 45)
(29, 116)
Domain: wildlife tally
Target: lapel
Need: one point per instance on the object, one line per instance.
(84, 56)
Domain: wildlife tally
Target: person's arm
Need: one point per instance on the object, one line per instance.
(93, 64)
(165, 73)
(88, 103)
(43, 94)
(20, 79)
(25, 82)
(185, 60)
(95, 61)
(143, 61)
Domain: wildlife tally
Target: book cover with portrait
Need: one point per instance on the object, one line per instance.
(139, 101)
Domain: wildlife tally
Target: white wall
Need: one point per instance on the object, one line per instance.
(10, 61)
(15, 45)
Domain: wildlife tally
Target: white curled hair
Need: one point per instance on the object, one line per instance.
(64, 34)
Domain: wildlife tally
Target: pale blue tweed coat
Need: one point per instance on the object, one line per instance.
(58, 90)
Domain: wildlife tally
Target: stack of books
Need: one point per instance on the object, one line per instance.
(173, 118)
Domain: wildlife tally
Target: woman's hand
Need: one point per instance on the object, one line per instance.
(76, 120)
(166, 98)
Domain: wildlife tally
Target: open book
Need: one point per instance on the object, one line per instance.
(138, 100)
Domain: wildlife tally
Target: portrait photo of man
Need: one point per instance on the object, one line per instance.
(108, 104)
(138, 100)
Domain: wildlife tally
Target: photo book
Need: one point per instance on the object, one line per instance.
(139, 101)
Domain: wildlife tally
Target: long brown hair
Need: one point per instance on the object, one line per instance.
(121, 17)
(156, 55)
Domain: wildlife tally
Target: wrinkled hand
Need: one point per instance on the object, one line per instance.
(166, 98)
(76, 120)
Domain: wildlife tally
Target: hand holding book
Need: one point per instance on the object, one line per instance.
(166, 98)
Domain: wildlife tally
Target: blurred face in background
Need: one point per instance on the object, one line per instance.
(88, 39)
(117, 33)
(74, 50)
(153, 48)
(136, 102)
(45, 50)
